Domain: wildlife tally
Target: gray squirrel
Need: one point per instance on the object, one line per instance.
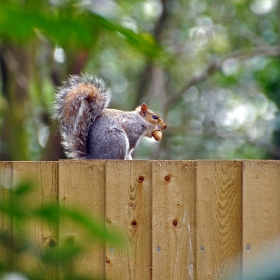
(90, 131)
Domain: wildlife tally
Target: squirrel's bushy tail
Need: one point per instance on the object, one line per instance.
(77, 104)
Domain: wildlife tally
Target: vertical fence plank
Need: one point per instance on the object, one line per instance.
(219, 218)
(6, 173)
(173, 242)
(44, 179)
(82, 187)
(153, 204)
(261, 214)
(128, 210)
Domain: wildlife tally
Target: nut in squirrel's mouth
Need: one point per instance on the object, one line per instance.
(157, 135)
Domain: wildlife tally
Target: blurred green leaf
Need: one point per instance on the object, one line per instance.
(67, 28)
(62, 253)
(49, 212)
(17, 239)
(95, 229)
(21, 189)
(16, 243)
(5, 239)
(12, 209)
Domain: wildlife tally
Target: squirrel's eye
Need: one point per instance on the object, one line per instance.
(155, 117)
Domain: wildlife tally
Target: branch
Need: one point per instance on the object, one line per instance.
(146, 73)
(215, 66)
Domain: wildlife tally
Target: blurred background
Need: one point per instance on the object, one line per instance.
(211, 69)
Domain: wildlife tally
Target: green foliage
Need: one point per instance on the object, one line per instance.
(18, 239)
(66, 25)
(209, 68)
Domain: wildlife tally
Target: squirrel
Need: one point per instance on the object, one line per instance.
(91, 131)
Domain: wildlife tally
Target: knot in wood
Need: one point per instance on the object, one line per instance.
(167, 178)
(52, 243)
(134, 223)
(141, 179)
(70, 240)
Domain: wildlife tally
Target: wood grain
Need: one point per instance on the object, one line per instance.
(44, 179)
(128, 211)
(173, 243)
(82, 187)
(219, 219)
(180, 219)
(6, 174)
(261, 214)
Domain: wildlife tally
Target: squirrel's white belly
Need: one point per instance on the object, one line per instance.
(128, 152)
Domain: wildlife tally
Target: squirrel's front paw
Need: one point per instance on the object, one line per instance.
(157, 135)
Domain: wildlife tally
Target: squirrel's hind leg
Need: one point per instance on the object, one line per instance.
(112, 144)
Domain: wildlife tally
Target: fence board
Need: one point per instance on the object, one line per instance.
(173, 245)
(44, 179)
(6, 173)
(82, 187)
(219, 218)
(182, 219)
(128, 207)
(261, 213)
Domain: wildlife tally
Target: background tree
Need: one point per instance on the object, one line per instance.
(209, 67)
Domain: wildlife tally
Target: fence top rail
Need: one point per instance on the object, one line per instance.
(149, 160)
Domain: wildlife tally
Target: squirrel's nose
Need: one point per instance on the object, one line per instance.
(164, 126)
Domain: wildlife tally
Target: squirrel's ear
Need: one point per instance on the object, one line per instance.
(144, 108)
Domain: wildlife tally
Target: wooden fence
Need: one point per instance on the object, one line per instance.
(183, 219)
